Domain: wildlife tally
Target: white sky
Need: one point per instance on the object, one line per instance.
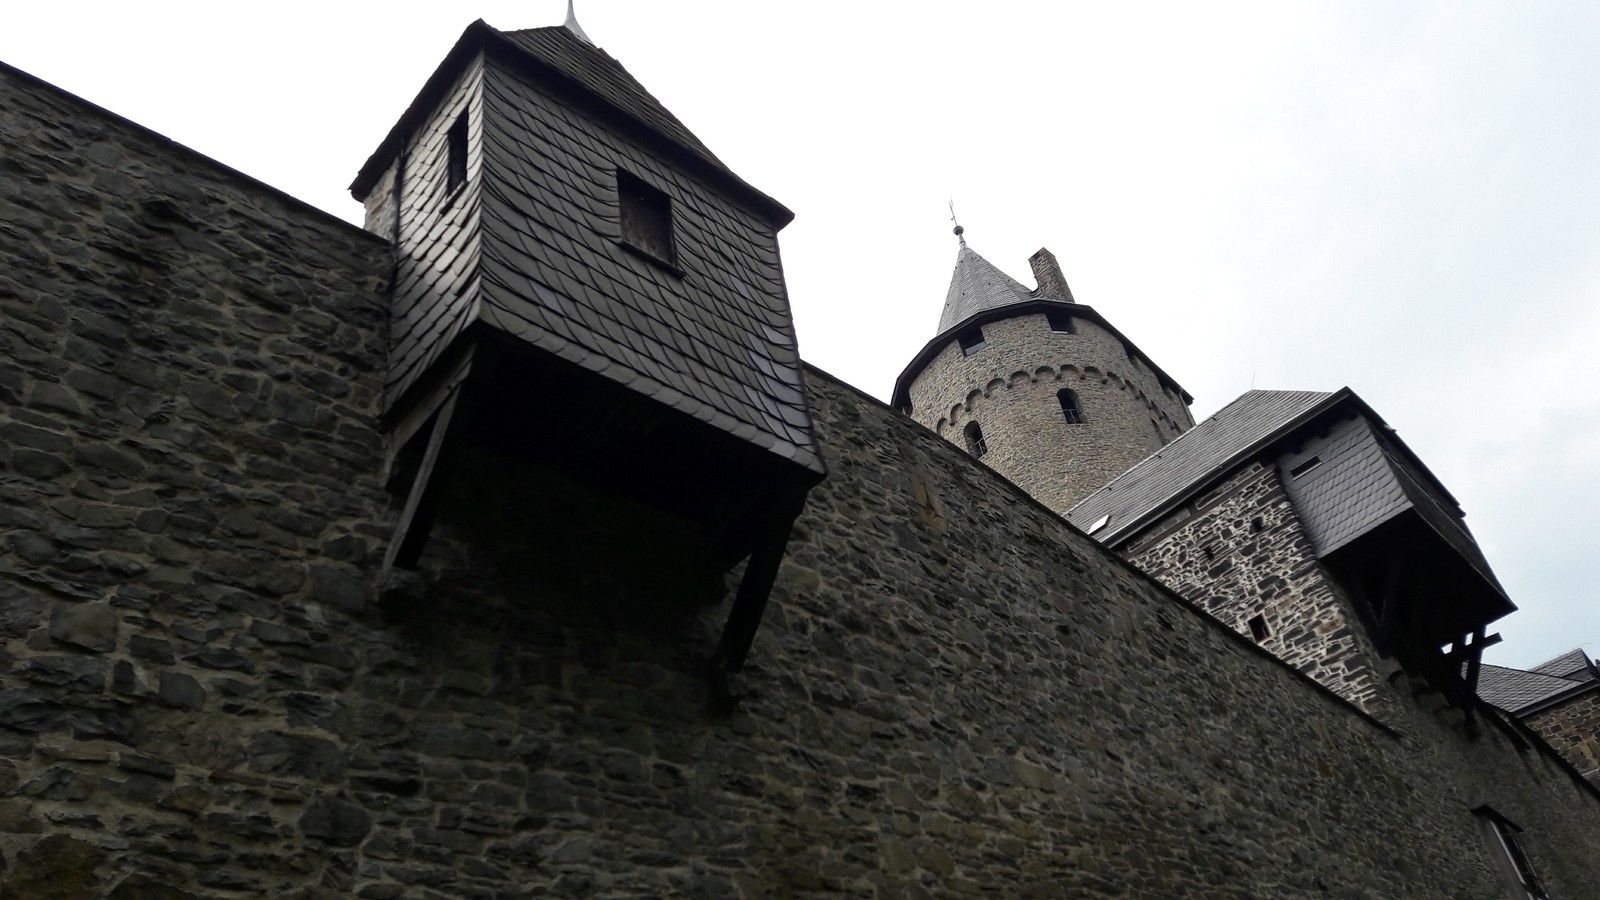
(1399, 197)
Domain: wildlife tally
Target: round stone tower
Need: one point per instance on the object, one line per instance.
(1040, 387)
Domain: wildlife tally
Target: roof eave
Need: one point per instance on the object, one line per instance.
(902, 385)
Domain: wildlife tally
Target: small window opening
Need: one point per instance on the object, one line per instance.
(1060, 321)
(1257, 526)
(1069, 406)
(971, 340)
(975, 442)
(455, 140)
(1305, 466)
(1258, 628)
(646, 215)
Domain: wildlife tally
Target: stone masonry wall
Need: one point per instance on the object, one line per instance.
(1009, 388)
(189, 371)
(953, 693)
(1241, 551)
(1573, 728)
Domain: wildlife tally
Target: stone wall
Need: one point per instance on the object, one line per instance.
(1009, 388)
(953, 693)
(189, 371)
(1573, 728)
(1241, 551)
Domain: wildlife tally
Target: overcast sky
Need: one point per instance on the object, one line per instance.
(1399, 197)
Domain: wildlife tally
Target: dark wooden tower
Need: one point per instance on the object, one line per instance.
(580, 283)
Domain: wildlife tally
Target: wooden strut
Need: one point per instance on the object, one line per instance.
(416, 520)
(750, 602)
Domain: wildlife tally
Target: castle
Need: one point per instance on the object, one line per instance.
(505, 547)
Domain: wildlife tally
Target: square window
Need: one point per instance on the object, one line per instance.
(1060, 321)
(971, 340)
(646, 218)
(1258, 628)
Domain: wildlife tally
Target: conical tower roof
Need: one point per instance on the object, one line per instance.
(976, 285)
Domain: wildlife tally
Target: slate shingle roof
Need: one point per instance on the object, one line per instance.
(1573, 664)
(598, 71)
(976, 285)
(1514, 690)
(1235, 429)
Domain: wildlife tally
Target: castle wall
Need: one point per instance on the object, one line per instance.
(1009, 388)
(1573, 728)
(953, 693)
(1240, 551)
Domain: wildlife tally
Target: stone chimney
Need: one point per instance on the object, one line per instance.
(1047, 274)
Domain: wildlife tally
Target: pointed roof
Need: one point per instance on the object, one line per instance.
(975, 286)
(569, 51)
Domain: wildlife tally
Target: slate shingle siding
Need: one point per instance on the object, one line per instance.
(1351, 491)
(437, 248)
(714, 342)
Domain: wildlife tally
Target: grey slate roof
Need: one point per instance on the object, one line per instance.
(976, 285)
(1573, 664)
(598, 71)
(1234, 429)
(1514, 690)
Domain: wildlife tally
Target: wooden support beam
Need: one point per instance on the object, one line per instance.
(1474, 661)
(750, 601)
(416, 519)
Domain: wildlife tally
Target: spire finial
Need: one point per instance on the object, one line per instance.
(958, 229)
(573, 26)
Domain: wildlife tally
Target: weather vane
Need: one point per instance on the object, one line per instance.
(958, 229)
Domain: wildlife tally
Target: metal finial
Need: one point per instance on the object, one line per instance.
(573, 26)
(959, 231)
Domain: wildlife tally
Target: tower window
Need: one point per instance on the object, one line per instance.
(975, 443)
(455, 143)
(1258, 628)
(1060, 321)
(971, 340)
(646, 218)
(1069, 406)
